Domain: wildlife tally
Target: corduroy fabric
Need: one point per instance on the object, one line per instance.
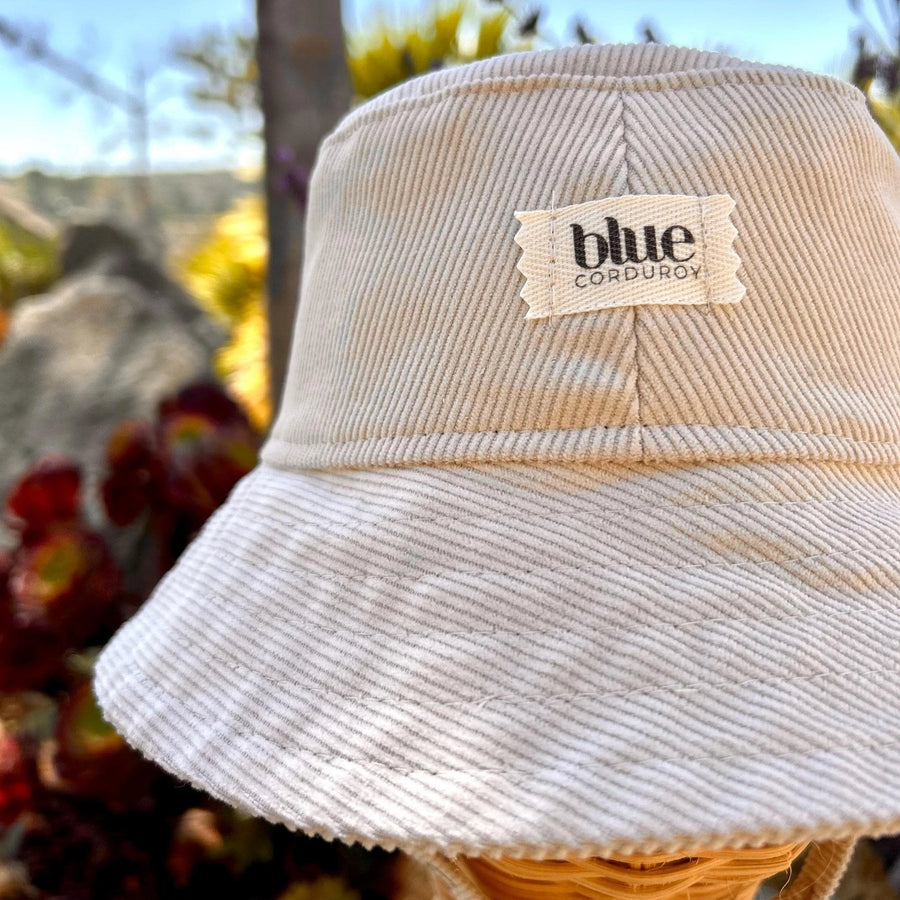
(410, 345)
(615, 581)
(481, 657)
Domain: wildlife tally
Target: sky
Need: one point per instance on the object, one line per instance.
(49, 125)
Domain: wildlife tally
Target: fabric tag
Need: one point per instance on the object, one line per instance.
(628, 251)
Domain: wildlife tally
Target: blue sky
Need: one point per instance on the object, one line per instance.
(47, 124)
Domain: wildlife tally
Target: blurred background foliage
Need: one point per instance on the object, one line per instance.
(227, 274)
(28, 263)
(226, 266)
(876, 71)
(389, 55)
(385, 55)
(81, 814)
(228, 73)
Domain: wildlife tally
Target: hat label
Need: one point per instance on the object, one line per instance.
(627, 251)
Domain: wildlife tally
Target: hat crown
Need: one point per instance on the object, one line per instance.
(411, 343)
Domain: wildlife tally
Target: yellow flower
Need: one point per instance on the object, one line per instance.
(227, 275)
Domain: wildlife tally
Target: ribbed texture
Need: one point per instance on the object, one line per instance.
(655, 66)
(410, 342)
(606, 582)
(537, 657)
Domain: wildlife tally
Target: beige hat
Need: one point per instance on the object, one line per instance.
(578, 530)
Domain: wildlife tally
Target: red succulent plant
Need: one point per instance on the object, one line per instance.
(15, 787)
(46, 497)
(181, 468)
(93, 817)
(88, 757)
(64, 581)
(60, 580)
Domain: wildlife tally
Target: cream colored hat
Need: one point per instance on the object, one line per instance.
(578, 529)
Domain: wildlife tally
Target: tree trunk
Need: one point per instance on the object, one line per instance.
(305, 90)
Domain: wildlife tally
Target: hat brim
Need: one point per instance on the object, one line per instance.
(533, 660)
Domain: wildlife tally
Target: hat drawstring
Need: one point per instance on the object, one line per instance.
(821, 872)
(455, 881)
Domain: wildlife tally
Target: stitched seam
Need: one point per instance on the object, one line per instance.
(690, 80)
(155, 688)
(534, 570)
(552, 262)
(705, 239)
(482, 700)
(600, 513)
(611, 630)
(634, 306)
(895, 445)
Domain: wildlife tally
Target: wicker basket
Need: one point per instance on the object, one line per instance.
(726, 874)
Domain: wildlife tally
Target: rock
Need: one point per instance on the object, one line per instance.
(107, 343)
(87, 242)
(89, 246)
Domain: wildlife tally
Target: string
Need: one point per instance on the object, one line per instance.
(702, 874)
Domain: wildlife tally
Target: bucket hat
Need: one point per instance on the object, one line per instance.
(578, 527)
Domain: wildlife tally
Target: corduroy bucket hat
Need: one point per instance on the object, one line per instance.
(578, 528)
